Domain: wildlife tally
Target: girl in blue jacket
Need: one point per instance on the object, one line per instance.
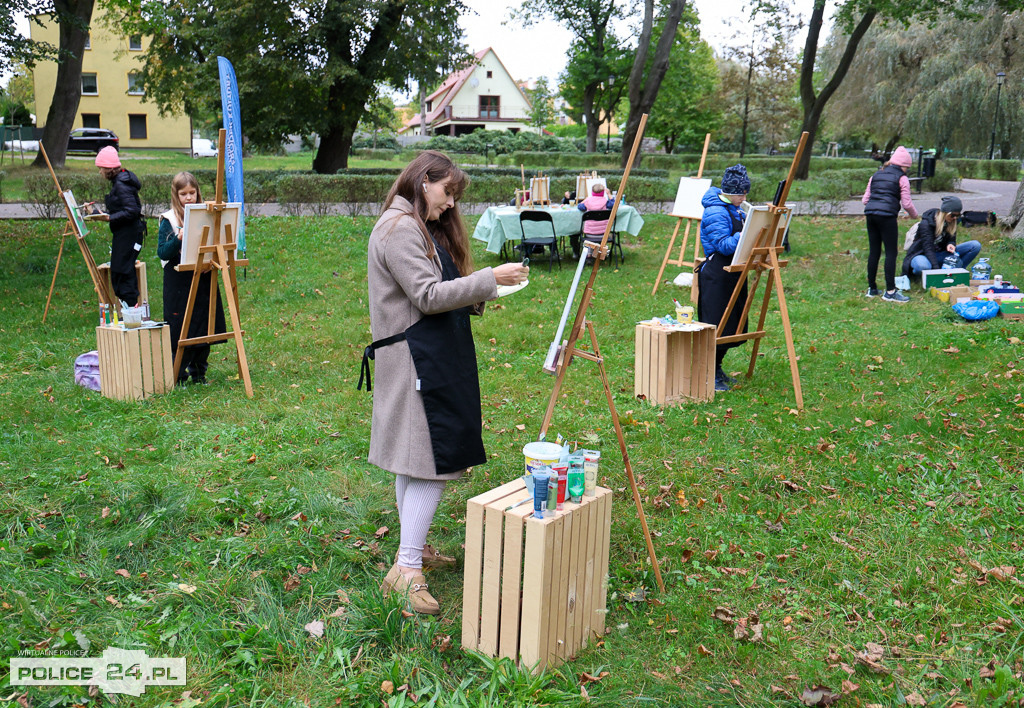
(720, 229)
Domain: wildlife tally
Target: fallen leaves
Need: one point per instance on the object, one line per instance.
(819, 696)
(315, 628)
(291, 582)
(586, 678)
(871, 657)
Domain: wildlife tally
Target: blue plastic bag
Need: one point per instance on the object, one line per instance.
(977, 309)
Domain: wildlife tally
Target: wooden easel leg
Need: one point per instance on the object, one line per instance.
(760, 324)
(790, 348)
(668, 252)
(60, 252)
(187, 321)
(682, 247)
(625, 460)
(236, 323)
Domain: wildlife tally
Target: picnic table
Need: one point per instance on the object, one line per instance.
(500, 224)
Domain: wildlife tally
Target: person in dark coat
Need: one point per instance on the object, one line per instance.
(887, 190)
(720, 229)
(195, 358)
(936, 239)
(124, 212)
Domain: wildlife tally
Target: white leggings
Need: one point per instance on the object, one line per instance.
(417, 502)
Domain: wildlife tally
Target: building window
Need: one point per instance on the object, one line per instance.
(135, 42)
(490, 106)
(133, 84)
(490, 74)
(90, 87)
(430, 106)
(90, 120)
(137, 126)
(88, 41)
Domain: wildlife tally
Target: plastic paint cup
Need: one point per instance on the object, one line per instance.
(540, 493)
(540, 454)
(685, 314)
(132, 316)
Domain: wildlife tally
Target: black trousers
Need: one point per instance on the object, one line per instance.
(126, 286)
(882, 230)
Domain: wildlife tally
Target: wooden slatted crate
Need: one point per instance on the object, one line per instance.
(673, 365)
(134, 363)
(535, 589)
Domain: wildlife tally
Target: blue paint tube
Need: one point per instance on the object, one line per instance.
(540, 491)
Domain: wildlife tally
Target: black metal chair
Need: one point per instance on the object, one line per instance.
(527, 244)
(613, 238)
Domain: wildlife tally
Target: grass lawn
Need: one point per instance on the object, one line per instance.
(205, 525)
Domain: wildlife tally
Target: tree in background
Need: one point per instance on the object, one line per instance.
(687, 106)
(20, 87)
(303, 66)
(542, 104)
(380, 118)
(593, 56)
(649, 69)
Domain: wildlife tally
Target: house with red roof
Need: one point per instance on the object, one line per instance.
(480, 95)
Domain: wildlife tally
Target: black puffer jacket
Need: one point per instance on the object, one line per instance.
(123, 203)
(926, 244)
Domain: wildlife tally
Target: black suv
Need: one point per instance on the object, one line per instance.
(91, 140)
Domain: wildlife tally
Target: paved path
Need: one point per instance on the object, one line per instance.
(976, 194)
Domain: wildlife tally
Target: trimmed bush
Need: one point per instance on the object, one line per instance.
(47, 203)
(1007, 170)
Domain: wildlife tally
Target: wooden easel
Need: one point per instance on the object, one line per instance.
(569, 350)
(99, 283)
(220, 244)
(764, 258)
(681, 261)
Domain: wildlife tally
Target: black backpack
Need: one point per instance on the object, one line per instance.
(977, 218)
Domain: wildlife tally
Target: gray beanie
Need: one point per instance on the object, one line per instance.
(951, 204)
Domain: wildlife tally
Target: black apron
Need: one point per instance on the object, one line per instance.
(444, 355)
(716, 286)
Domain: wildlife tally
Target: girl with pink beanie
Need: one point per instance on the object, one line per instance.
(888, 190)
(124, 212)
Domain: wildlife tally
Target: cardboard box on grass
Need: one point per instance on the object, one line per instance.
(946, 278)
(954, 294)
(1012, 310)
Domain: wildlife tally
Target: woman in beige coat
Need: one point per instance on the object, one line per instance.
(426, 408)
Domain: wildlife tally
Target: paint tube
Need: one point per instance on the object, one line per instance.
(591, 459)
(575, 481)
(552, 494)
(540, 491)
(562, 472)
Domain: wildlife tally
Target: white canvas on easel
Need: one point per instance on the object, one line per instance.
(758, 217)
(196, 217)
(688, 198)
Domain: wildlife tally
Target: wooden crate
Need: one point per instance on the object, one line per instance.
(673, 365)
(140, 273)
(535, 589)
(135, 363)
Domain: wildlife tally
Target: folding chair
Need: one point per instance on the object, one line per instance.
(526, 244)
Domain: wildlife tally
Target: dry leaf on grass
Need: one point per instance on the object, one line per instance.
(871, 657)
(387, 687)
(849, 686)
(915, 699)
(724, 614)
(704, 651)
(105, 513)
(112, 600)
(586, 678)
(819, 696)
(752, 634)
(291, 582)
(186, 588)
(315, 628)
(123, 573)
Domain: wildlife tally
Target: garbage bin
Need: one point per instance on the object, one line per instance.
(928, 166)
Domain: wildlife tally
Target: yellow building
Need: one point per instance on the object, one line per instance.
(110, 98)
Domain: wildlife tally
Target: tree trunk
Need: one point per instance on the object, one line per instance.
(1015, 219)
(643, 92)
(423, 110)
(73, 18)
(335, 145)
(746, 101)
(814, 105)
(590, 117)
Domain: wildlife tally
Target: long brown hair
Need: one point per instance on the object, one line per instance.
(449, 230)
(180, 181)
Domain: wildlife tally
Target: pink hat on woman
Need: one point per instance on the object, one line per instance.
(108, 157)
(900, 157)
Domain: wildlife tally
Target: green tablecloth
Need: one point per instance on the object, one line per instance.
(500, 224)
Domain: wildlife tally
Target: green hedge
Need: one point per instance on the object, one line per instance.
(1007, 170)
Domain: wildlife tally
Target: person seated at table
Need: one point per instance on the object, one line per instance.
(592, 230)
(720, 230)
(936, 238)
(569, 197)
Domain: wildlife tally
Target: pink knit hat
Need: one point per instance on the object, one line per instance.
(901, 158)
(108, 157)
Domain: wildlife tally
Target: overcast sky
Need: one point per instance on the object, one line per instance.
(541, 50)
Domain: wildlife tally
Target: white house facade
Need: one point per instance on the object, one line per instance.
(482, 95)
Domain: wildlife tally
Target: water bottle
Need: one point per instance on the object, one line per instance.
(982, 270)
(951, 261)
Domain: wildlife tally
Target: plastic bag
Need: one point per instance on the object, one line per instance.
(977, 309)
(87, 370)
(902, 282)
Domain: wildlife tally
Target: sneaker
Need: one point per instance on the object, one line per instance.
(896, 296)
(873, 292)
(731, 380)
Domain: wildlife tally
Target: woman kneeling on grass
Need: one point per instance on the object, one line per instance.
(426, 424)
(936, 239)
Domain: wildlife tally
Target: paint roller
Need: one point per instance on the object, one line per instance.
(549, 362)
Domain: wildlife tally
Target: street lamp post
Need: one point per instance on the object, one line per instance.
(999, 88)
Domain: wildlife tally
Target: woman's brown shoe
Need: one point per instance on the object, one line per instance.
(433, 558)
(414, 588)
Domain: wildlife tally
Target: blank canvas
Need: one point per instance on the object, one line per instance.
(758, 217)
(196, 217)
(688, 196)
